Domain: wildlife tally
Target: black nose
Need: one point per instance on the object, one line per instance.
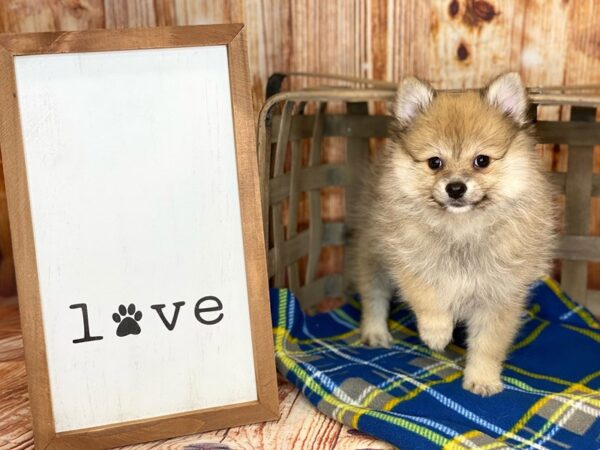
(456, 190)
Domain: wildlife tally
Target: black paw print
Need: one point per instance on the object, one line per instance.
(127, 325)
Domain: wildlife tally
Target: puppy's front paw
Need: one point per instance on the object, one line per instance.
(436, 336)
(376, 337)
(480, 385)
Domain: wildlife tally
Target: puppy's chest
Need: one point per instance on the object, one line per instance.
(464, 266)
(466, 258)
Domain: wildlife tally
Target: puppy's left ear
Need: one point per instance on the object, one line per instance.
(508, 94)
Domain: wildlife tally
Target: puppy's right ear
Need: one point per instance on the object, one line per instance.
(412, 98)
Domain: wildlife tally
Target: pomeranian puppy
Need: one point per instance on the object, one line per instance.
(457, 217)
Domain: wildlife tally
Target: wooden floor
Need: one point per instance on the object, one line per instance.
(300, 426)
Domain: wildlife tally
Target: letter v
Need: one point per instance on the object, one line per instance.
(159, 310)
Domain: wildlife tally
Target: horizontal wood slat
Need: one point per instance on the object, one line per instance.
(326, 287)
(579, 248)
(310, 178)
(572, 133)
(291, 251)
(558, 179)
(338, 125)
(297, 247)
(359, 126)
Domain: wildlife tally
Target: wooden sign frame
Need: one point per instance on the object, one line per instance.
(12, 146)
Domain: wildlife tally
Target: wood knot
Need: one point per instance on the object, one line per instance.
(478, 11)
(208, 446)
(484, 10)
(462, 52)
(453, 8)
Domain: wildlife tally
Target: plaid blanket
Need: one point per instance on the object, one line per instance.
(412, 397)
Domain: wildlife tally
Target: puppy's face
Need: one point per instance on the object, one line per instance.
(463, 152)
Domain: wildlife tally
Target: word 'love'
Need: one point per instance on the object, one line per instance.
(128, 318)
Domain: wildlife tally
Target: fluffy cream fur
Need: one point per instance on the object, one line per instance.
(469, 260)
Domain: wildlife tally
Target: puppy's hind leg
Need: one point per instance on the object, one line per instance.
(376, 291)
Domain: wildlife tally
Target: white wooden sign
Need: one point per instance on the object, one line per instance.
(140, 220)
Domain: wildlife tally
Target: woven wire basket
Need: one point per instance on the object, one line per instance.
(295, 127)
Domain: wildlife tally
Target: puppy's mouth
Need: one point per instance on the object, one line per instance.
(461, 205)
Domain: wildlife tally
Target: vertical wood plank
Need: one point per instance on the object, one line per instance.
(357, 158)
(129, 13)
(292, 225)
(277, 229)
(543, 28)
(270, 37)
(198, 12)
(314, 198)
(165, 13)
(578, 188)
(377, 22)
(408, 38)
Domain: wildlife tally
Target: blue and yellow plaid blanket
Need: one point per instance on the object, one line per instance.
(412, 397)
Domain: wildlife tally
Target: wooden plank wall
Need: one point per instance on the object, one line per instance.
(452, 43)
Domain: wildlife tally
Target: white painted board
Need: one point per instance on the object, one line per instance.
(132, 180)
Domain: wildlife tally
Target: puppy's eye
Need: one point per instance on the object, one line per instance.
(435, 163)
(481, 161)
